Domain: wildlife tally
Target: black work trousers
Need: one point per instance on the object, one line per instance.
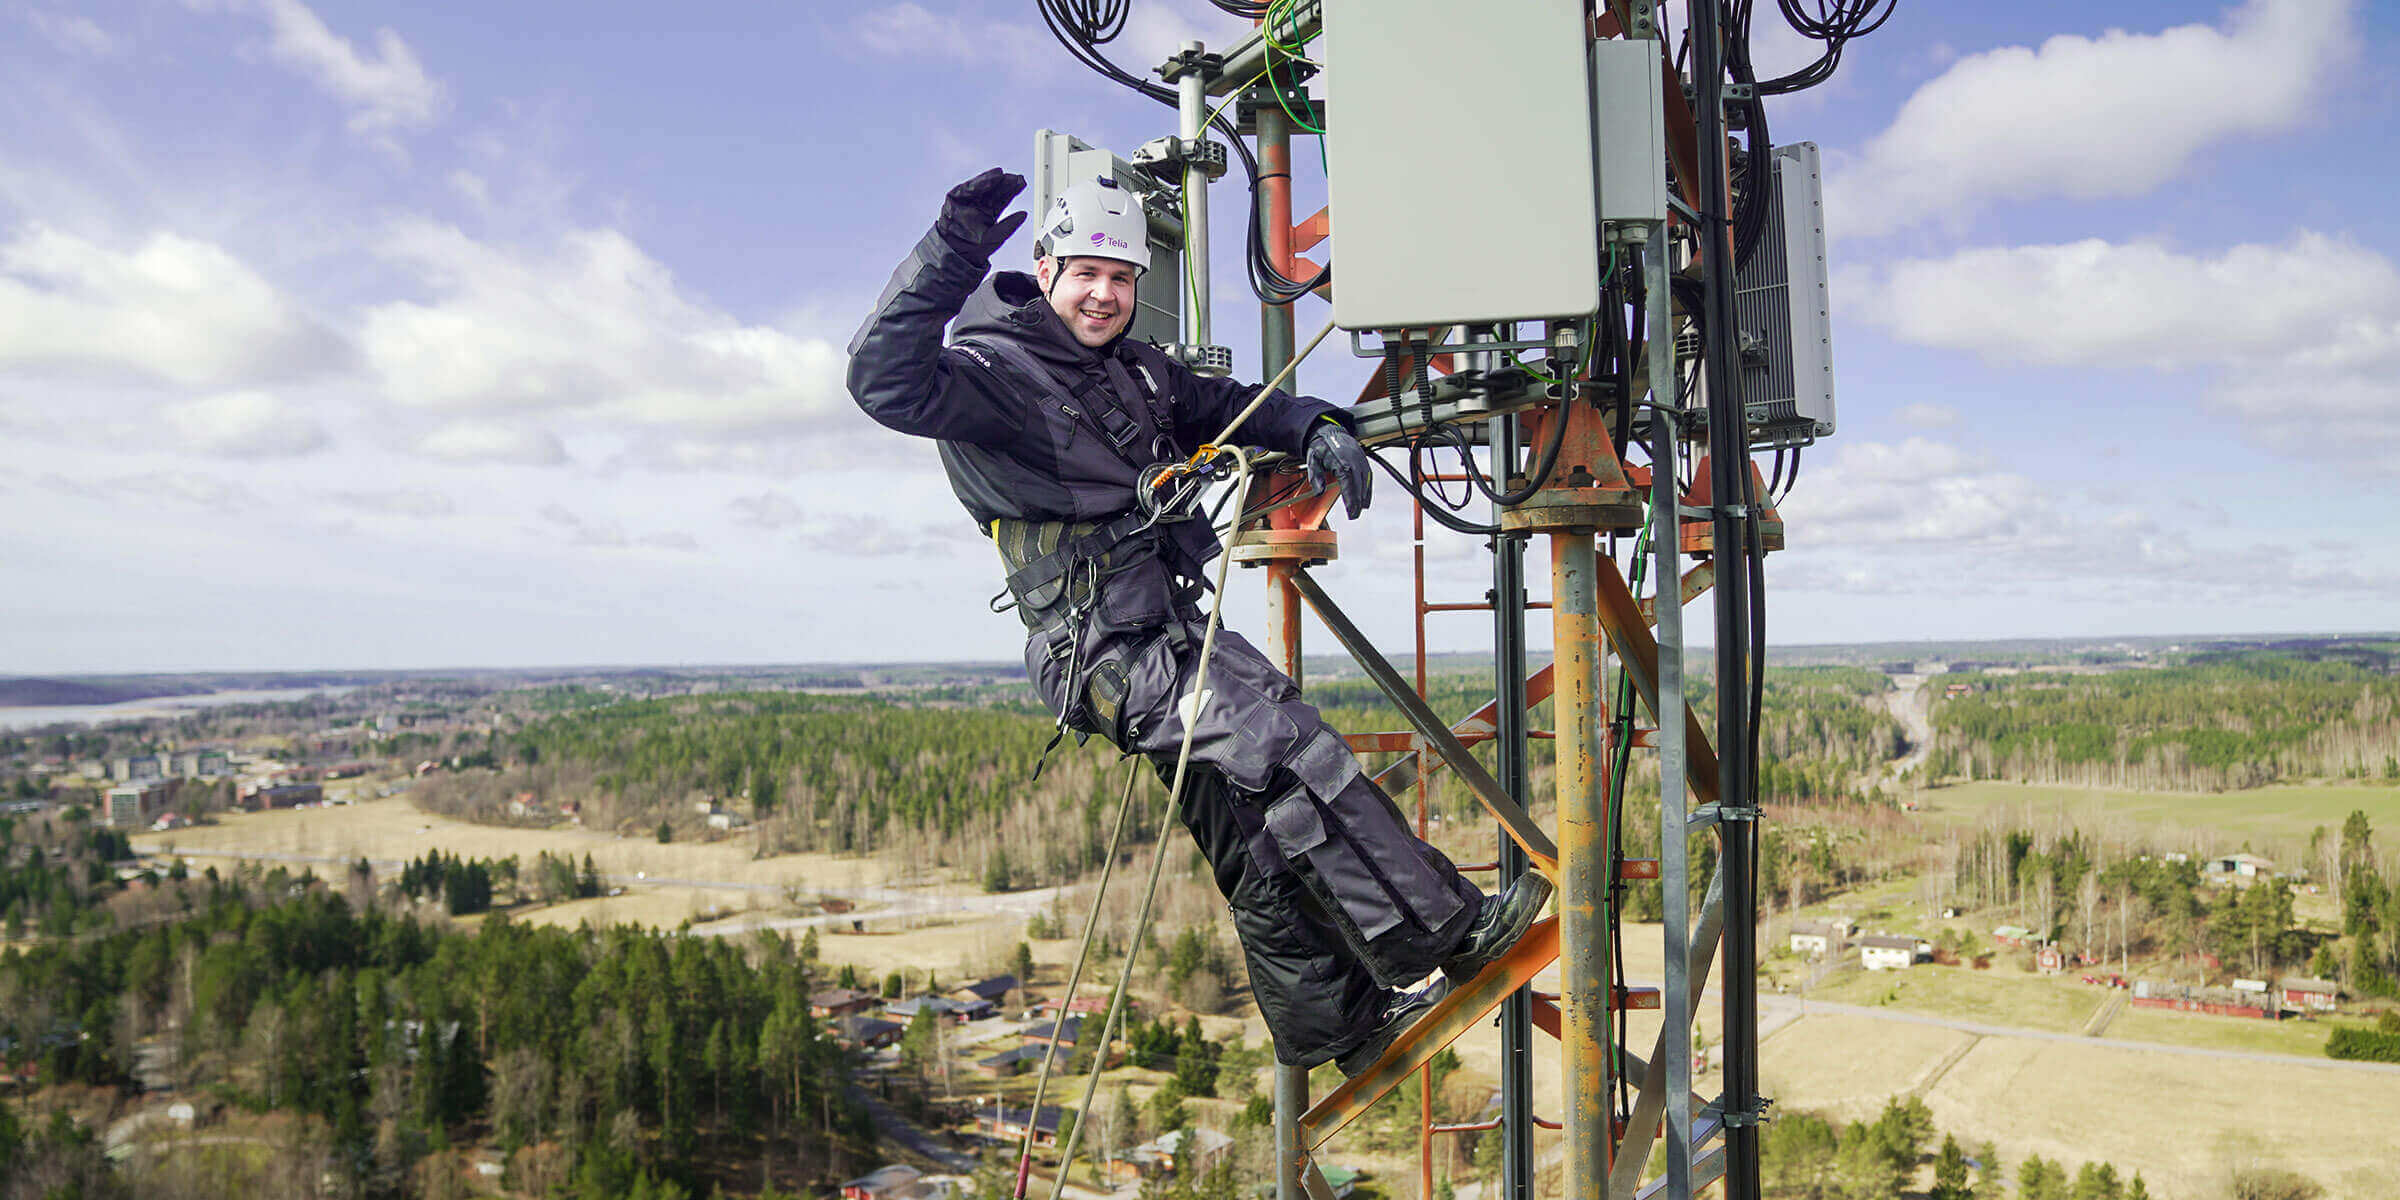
(1333, 897)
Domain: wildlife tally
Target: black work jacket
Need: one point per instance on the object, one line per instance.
(1041, 451)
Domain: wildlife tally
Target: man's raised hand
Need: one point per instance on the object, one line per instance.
(971, 219)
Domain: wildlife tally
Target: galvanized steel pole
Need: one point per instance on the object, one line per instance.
(1509, 766)
(1191, 100)
(1674, 865)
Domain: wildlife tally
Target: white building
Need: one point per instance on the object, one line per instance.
(1816, 939)
(1882, 952)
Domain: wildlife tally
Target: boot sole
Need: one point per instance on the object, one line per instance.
(1459, 975)
(1381, 1043)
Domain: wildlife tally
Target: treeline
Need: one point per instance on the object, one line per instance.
(2368, 952)
(838, 774)
(598, 1059)
(464, 886)
(56, 873)
(2235, 721)
(1803, 1156)
(2127, 902)
(2380, 1044)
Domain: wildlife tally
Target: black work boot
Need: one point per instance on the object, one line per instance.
(1504, 919)
(1400, 1010)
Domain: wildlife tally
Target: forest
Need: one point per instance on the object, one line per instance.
(2216, 723)
(600, 1063)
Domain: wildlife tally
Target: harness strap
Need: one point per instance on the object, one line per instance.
(1086, 402)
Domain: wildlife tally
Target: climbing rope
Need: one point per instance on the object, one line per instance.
(1194, 701)
(1041, 1082)
(1197, 698)
(1210, 450)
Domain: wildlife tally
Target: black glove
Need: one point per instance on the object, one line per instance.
(1333, 452)
(971, 220)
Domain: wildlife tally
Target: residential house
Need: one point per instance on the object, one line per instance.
(1009, 1124)
(957, 1012)
(994, 990)
(867, 1033)
(1083, 1004)
(2238, 869)
(1009, 1062)
(2011, 935)
(841, 1002)
(1816, 939)
(1164, 1156)
(1885, 952)
(896, 1182)
(1051, 1031)
(2311, 995)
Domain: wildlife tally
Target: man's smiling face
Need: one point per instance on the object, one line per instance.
(1094, 296)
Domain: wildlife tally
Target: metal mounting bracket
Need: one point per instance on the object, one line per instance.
(1718, 814)
(1168, 156)
(1734, 93)
(1213, 361)
(1185, 62)
(1755, 1114)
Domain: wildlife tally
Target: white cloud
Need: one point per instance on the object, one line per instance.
(1920, 516)
(2088, 117)
(1919, 491)
(2099, 303)
(908, 30)
(247, 424)
(606, 534)
(75, 34)
(173, 309)
(177, 487)
(490, 441)
(1923, 415)
(386, 92)
(396, 502)
(595, 326)
(2300, 341)
(767, 510)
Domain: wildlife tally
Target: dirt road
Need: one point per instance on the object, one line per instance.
(1910, 702)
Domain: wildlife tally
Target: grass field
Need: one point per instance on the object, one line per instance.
(2286, 812)
(1989, 997)
(2304, 1038)
(2182, 1122)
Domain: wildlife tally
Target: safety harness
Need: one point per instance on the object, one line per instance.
(1056, 569)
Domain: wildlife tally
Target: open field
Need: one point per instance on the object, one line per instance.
(2284, 811)
(2303, 1038)
(396, 830)
(2181, 1121)
(2178, 1119)
(1990, 997)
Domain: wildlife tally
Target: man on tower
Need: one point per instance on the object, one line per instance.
(1049, 419)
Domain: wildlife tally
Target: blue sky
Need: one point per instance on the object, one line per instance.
(348, 335)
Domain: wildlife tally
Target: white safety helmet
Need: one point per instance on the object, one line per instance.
(1097, 218)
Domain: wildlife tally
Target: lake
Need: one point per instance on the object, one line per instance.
(156, 706)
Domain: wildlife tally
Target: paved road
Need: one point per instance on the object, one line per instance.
(1782, 1010)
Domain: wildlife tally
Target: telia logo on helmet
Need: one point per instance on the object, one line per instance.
(1102, 239)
